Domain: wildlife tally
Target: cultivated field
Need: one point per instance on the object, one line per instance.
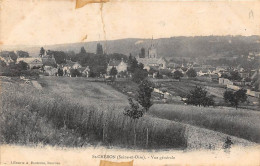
(80, 90)
(240, 123)
(77, 112)
(74, 112)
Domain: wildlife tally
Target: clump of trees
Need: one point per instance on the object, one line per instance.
(75, 73)
(199, 97)
(16, 69)
(234, 98)
(191, 73)
(177, 74)
(232, 75)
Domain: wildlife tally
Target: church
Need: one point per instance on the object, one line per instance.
(151, 60)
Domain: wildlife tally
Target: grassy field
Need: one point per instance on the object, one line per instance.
(240, 123)
(74, 112)
(80, 90)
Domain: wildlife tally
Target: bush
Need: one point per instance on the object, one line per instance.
(191, 73)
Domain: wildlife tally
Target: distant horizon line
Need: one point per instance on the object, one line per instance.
(44, 45)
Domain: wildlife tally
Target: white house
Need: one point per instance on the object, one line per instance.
(76, 65)
(51, 71)
(120, 66)
(84, 71)
(224, 81)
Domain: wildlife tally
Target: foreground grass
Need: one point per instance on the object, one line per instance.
(240, 123)
(31, 116)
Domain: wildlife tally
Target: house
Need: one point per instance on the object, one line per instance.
(32, 62)
(70, 65)
(172, 65)
(7, 59)
(120, 65)
(203, 72)
(51, 71)
(84, 71)
(76, 65)
(224, 81)
(221, 69)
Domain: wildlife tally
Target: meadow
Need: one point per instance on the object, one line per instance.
(241, 123)
(74, 112)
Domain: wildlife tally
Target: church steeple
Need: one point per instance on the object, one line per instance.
(152, 51)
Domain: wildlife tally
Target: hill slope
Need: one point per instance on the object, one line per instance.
(199, 46)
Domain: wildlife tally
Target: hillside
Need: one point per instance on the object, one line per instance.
(199, 46)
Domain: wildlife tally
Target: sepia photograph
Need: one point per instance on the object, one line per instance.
(129, 83)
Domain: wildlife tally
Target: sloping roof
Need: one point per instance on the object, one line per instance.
(147, 61)
(70, 63)
(30, 60)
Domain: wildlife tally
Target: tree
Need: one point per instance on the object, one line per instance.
(177, 74)
(113, 72)
(22, 66)
(60, 56)
(132, 63)
(75, 73)
(139, 75)
(22, 54)
(144, 99)
(199, 97)
(134, 112)
(191, 73)
(142, 54)
(42, 51)
(82, 50)
(145, 93)
(234, 98)
(60, 72)
(99, 50)
(234, 75)
(159, 75)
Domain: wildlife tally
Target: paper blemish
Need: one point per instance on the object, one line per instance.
(81, 3)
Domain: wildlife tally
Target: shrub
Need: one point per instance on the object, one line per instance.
(191, 73)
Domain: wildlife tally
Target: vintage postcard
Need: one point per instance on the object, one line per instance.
(129, 83)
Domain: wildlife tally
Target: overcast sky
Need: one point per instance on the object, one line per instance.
(43, 22)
